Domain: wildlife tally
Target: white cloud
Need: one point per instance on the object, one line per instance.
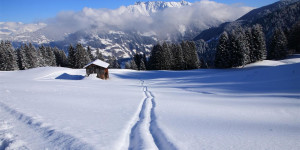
(202, 14)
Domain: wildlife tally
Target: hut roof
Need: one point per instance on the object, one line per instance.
(98, 63)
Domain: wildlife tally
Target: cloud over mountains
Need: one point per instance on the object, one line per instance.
(157, 18)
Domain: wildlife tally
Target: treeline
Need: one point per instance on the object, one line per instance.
(167, 56)
(78, 57)
(28, 56)
(248, 45)
(241, 47)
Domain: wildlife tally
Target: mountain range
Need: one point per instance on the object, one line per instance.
(127, 30)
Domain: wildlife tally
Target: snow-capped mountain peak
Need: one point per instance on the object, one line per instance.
(149, 7)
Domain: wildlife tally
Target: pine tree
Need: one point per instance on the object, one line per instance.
(178, 57)
(71, 57)
(89, 51)
(50, 57)
(3, 57)
(236, 48)
(22, 59)
(137, 58)
(249, 38)
(133, 65)
(278, 45)
(259, 43)
(145, 62)
(82, 57)
(294, 38)
(11, 57)
(142, 65)
(168, 57)
(193, 62)
(57, 56)
(40, 55)
(31, 56)
(113, 63)
(205, 53)
(156, 58)
(186, 56)
(43, 53)
(244, 46)
(223, 57)
(64, 59)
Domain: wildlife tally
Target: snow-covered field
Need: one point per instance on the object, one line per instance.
(256, 107)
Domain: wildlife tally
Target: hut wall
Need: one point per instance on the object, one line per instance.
(100, 71)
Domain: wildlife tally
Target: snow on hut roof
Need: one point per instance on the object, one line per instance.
(98, 63)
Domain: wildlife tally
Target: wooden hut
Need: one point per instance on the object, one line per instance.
(98, 67)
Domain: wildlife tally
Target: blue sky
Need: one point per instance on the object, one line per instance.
(28, 11)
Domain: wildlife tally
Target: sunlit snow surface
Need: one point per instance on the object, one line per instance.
(256, 107)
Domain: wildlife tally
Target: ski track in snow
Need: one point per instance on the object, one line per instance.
(54, 139)
(146, 134)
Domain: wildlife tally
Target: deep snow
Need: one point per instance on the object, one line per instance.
(256, 107)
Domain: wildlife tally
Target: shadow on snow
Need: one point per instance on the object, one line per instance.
(283, 79)
(66, 76)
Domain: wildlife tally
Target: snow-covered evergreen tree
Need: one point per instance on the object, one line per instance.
(156, 58)
(60, 57)
(31, 56)
(71, 57)
(178, 57)
(205, 53)
(145, 60)
(64, 59)
(168, 58)
(244, 45)
(259, 43)
(2, 57)
(40, 54)
(142, 65)
(294, 38)
(278, 45)
(186, 56)
(50, 57)
(133, 65)
(238, 49)
(57, 56)
(137, 58)
(89, 51)
(12, 65)
(113, 62)
(249, 39)
(8, 59)
(193, 62)
(223, 56)
(22, 59)
(82, 57)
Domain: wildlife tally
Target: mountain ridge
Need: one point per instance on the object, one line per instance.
(251, 17)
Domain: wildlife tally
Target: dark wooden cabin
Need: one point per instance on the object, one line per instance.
(98, 67)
